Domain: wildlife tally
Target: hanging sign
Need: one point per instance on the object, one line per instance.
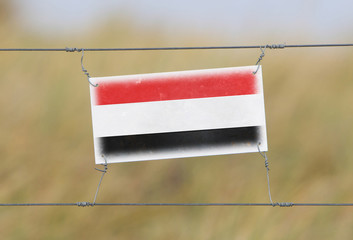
(178, 114)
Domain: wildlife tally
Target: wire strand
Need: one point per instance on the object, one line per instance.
(104, 171)
(270, 46)
(263, 154)
(84, 204)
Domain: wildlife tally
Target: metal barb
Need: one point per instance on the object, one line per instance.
(99, 184)
(85, 71)
(263, 154)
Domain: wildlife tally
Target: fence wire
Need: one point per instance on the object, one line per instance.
(267, 46)
(89, 204)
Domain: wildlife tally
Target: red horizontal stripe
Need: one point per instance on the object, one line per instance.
(174, 86)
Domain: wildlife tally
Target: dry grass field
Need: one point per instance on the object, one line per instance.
(46, 146)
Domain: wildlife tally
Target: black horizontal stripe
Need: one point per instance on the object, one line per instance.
(178, 141)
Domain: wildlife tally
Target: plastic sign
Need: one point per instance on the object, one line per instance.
(178, 114)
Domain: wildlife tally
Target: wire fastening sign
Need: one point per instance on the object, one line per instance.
(178, 114)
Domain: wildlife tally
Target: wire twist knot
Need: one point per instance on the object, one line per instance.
(276, 46)
(267, 164)
(283, 204)
(84, 204)
(67, 49)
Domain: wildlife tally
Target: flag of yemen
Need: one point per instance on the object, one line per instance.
(178, 114)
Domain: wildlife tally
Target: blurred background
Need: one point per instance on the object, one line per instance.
(46, 145)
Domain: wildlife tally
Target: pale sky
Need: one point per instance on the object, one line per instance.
(321, 21)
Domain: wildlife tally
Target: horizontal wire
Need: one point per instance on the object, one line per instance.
(35, 204)
(318, 45)
(273, 46)
(85, 204)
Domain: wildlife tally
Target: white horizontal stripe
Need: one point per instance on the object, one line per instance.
(178, 115)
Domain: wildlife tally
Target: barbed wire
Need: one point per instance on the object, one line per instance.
(267, 46)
